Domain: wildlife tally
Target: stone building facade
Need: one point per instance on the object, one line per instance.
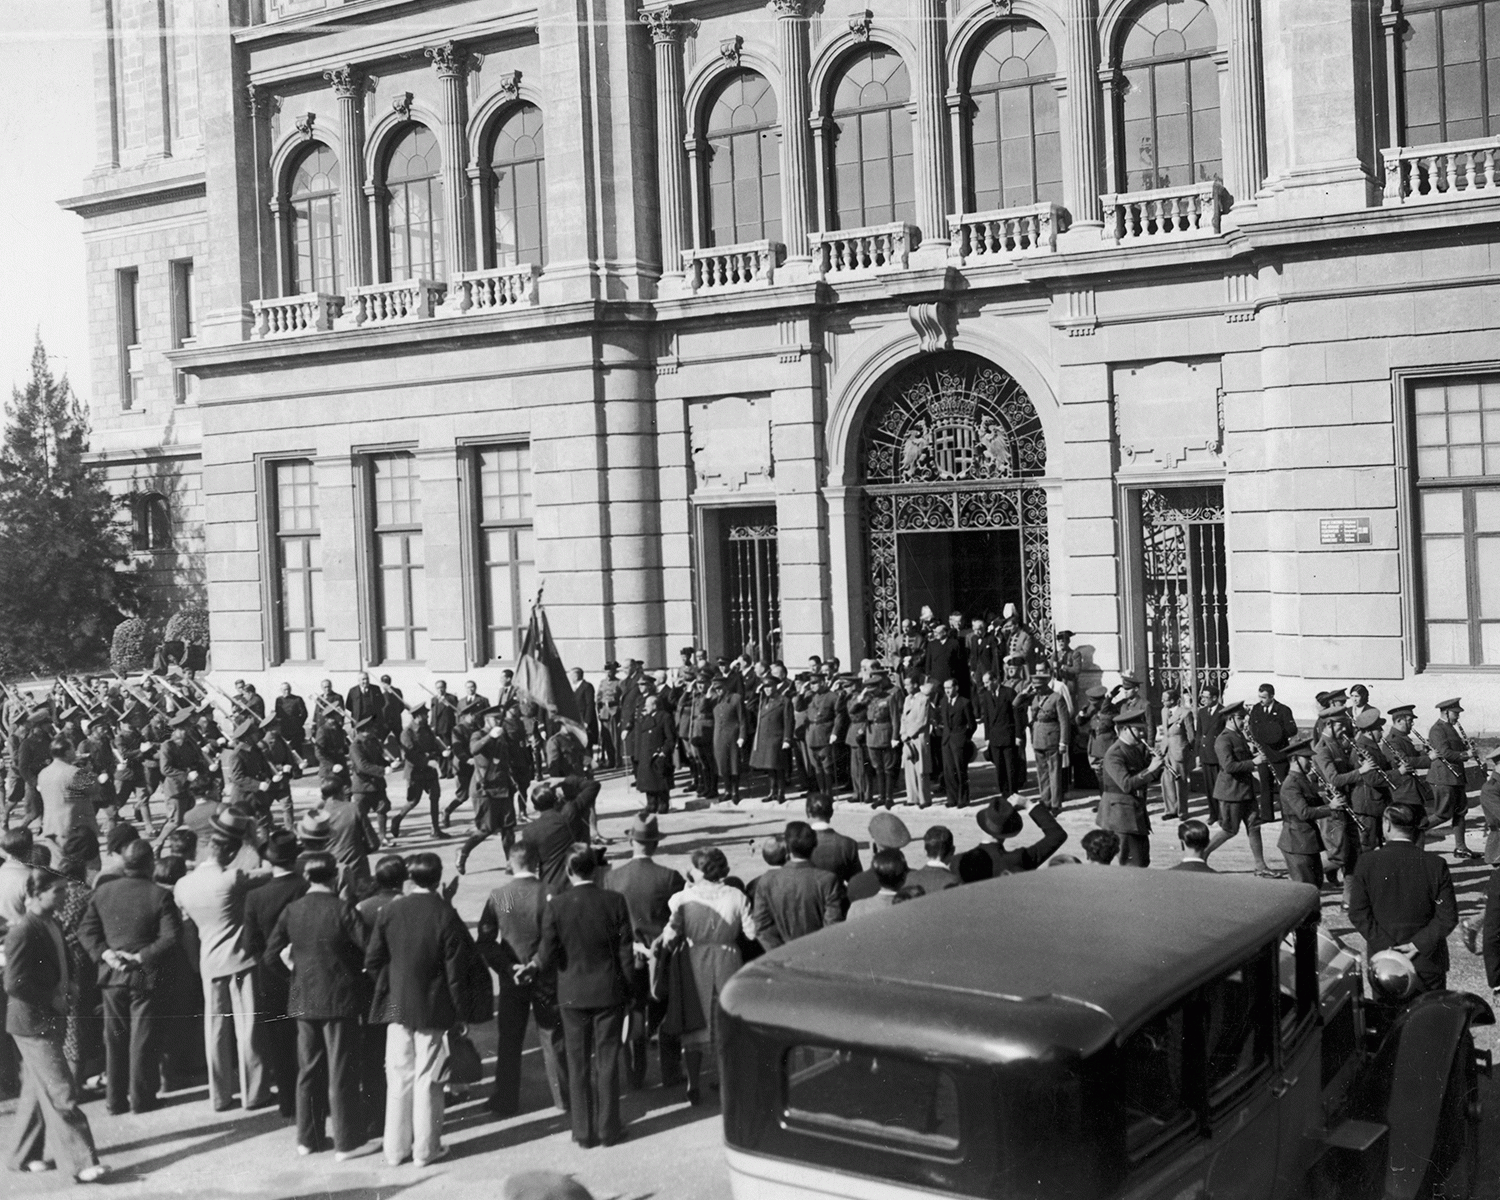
(1170, 321)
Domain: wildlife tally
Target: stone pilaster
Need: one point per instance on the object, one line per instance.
(452, 62)
(932, 170)
(1244, 156)
(791, 44)
(671, 181)
(1083, 118)
(349, 86)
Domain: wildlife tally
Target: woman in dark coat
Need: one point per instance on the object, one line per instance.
(729, 736)
(773, 735)
(655, 739)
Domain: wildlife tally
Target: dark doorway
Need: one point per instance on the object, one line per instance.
(973, 571)
(751, 582)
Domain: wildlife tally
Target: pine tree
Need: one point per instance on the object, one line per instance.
(65, 573)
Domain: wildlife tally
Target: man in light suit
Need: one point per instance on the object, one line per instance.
(587, 936)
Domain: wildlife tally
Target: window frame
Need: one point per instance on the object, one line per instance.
(296, 285)
(436, 231)
(1409, 488)
(278, 539)
(769, 150)
(128, 330)
(1398, 85)
(374, 582)
(150, 515)
(971, 112)
(836, 117)
(184, 322)
(482, 641)
(491, 245)
(1120, 68)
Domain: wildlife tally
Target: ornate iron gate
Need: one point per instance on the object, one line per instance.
(752, 593)
(952, 443)
(1186, 592)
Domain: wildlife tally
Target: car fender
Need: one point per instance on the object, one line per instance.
(1403, 1084)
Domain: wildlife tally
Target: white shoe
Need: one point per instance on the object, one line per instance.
(304, 1151)
(439, 1156)
(92, 1174)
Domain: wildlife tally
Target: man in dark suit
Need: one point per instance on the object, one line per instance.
(1271, 724)
(1401, 898)
(999, 821)
(510, 930)
(324, 939)
(291, 718)
(587, 935)
(947, 658)
(443, 715)
(420, 955)
(647, 886)
(1239, 769)
(275, 1032)
(835, 851)
(955, 726)
(36, 991)
(364, 700)
(799, 898)
(130, 928)
(552, 833)
(1208, 721)
(937, 873)
(1193, 837)
(996, 704)
(588, 705)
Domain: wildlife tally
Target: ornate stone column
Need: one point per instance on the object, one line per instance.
(1081, 143)
(349, 86)
(671, 181)
(1244, 118)
(452, 62)
(1111, 87)
(791, 43)
(932, 174)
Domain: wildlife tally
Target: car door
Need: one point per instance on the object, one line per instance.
(1238, 1011)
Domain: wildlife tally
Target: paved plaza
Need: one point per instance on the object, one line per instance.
(674, 1151)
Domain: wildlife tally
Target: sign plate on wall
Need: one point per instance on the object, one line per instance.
(1343, 531)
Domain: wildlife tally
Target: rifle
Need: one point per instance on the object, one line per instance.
(240, 704)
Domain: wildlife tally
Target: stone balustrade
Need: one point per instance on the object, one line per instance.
(842, 253)
(1164, 213)
(293, 316)
(1447, 171)
(725, 268)
(395, 303)
(978, 238)
(492, 290)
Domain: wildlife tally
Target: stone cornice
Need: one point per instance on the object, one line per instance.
(140, 195)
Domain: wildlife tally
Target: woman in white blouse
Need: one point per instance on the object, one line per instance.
(712, 916)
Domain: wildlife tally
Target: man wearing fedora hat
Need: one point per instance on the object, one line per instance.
(1129, 768)
(647, 887)
(1451, 753)
(1401, 898)
(212, 896)
(1303, 806)
(274, 1033)
(999, 821)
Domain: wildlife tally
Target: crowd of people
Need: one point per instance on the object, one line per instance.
(335, 979)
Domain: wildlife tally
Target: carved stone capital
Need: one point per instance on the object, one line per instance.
(860, 23)
(1001, 8)
(451, 60)
(253, 97)
(348, 81)
(659, 21)
(787, 8)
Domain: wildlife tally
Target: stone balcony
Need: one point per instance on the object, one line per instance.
(729, 268)
(1443, 172)
(977, 239)
(1164, 214)
(293, 316)
(842, 254)
(492, 290)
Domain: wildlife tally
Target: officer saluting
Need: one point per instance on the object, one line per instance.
(1401, 898)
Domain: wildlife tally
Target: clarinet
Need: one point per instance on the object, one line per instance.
(1366, 755)
(1469, 753)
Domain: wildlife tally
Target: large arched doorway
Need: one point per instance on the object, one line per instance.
(950, 458)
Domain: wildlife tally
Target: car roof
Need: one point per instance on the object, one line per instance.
(1059, 961)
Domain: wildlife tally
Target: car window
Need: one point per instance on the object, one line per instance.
(896, 1103)
(1151, 1083)
(1236, 1043)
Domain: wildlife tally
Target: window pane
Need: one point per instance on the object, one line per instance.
(418, 585)
(1235, 1030)
(293, 600)
(1151, 1081)
(1443, 512)
(1448, 644)
(1445, 577)
(1487, 511)
(1489, 644)
(862, 1097)
(393, 597)
(1487, 566)
(1466, 460)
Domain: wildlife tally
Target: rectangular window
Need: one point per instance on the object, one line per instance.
(1456, 438)
(127, 293)
(184, 321)
(875, 1099)
(401, 584)
(299, 561)
(1450, 71)
(506, 545)
(1155, 1090)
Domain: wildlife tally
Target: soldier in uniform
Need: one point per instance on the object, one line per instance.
(1067, 663)
(819, 712)
(607, 704)
(882, 707)
(1128, 771)
(771, 752)
(132, 750)
(1016, 640)
(247, 775)
(286, 765)
(728, 735)
(1450, 755)
(1371, 792)
(493, 786)
(1342, 834)
(854, 740)
(462, 759)
(1101, 730)
(331, 745)
(1303, 808)
(701, 730)
(422, 752)
(184, 769)
(1411, 788)
(1051, 720)
(367, 766)
(1489, 804)
(1238, 768)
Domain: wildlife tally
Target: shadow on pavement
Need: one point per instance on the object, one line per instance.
(228, 1134)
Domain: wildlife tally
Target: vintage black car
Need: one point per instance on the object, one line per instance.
(1088, 1033)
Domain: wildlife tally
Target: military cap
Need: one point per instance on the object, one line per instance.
(1455, 704)
(1369, 718)
(1401, 710)
(888, 831)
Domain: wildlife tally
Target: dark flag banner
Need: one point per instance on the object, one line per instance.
(542, 678)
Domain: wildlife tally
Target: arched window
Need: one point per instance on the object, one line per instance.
(1169, 112)
(744, 162)
(316, 224)
(414, 206)
(1450, 71)
(1014, 144)
(518, 181)
(150, 522)
(873, 180)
